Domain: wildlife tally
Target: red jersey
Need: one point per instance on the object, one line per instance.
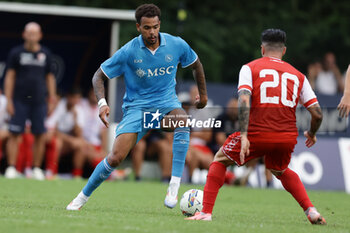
(276, 88)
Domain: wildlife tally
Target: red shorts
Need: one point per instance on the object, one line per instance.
(277, 154)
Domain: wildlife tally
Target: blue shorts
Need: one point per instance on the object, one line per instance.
(35, 112)
(140, 120)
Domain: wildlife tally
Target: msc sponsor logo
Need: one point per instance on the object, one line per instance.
(154, 72)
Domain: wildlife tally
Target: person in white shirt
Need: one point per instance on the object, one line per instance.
(68, 120)
(93, 130)
(326, 78)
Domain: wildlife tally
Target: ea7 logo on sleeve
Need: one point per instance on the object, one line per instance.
(151, 120)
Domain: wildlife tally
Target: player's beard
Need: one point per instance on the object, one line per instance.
(152, 41)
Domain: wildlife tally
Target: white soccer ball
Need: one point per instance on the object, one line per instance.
(191, 202)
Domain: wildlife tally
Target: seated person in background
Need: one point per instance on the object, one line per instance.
(229, 123)
(68, 120)
(326, 78)
(199, 155)
(94, 132)
(51, 150)
(157, 143)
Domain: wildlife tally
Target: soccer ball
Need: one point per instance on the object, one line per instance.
(191, 202)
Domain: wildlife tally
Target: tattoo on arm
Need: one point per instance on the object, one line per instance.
(243, 110)
(316, 120)
(198, 74)
(98, 84)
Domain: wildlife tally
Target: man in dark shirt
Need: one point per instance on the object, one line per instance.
(28, 79)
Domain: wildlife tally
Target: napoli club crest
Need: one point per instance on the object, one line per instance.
(168, 58)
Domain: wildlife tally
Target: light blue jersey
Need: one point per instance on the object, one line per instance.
(150, 76)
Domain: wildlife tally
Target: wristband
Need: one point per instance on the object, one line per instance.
(102, 102)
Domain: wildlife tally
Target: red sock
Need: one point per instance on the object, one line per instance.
(215, 179)
(28, 140)
(77, 172)
(292, 183)
(96, 161)
(51, 156)
(21, 156)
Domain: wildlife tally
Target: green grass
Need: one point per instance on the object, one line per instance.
(34, 206)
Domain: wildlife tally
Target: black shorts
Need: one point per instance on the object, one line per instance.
(35, 112)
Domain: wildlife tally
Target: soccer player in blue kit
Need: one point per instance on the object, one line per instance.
(149, 64)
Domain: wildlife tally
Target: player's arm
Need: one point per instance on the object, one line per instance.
(99, 89)
(10, 79)
(316, 120)
(198, 74)
(51, 89)
(344, 105)
(243, 118)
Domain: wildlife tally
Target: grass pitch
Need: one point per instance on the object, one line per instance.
(34, 206)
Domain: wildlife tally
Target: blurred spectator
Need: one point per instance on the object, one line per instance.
(51, 150)
(229, 124)
(155, 143)
(68, 119)
(199, 155)
(344, 105)
(94, 131)
(326, 78)
(27, 80)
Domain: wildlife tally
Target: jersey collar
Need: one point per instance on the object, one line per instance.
(161, 37)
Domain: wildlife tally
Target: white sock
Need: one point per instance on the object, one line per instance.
(175, 179)
(82, 195)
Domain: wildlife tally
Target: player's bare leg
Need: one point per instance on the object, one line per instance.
(138, 154)
(38, 151)
(215, 180)
(121, 147)
(292, 183)
(12, 150)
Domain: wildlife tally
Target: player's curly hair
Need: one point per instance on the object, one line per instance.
(146, 10)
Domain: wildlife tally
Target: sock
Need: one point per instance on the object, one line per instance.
(100, 174)
(215, 179)
(180, 146)
(175, 179)
(51, 156)
(96, 161)
(28, 140)
(21, 157)
(77, 172)
(292, 183)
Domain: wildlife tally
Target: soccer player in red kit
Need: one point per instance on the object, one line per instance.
(269, 90)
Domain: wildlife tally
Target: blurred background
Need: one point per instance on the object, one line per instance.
(226, 35)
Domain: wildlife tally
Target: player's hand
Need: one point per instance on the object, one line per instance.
(344, 106)
(201, 101)
(245, 144)
(310, 139)
(103, 114)
(10, 108)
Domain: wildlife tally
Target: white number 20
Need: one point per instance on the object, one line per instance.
(275, 83)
